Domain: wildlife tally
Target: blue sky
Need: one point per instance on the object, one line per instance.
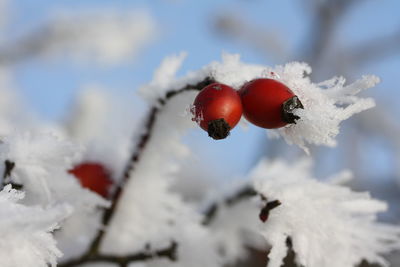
(50, 86)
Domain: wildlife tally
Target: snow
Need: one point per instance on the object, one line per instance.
(329, 224)
(326, 104)
(26, 231)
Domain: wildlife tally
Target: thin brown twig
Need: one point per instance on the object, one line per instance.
(9, 166)
(169, 252)
(28, 46)
(243, 193)
(327, 17)
(376, 48)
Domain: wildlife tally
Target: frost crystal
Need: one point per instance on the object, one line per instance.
(26, 238)
(325, 104)
(329, 225)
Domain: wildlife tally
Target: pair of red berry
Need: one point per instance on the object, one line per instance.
(266, 103)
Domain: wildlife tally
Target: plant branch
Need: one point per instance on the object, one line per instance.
(140, 146)
(327, 17)
(265, 40)
(92, 254)
(169, 252)
(26, 47)
(243, 193)
(374, 49)
(8, 168)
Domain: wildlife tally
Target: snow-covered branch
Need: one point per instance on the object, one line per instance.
(77, 36)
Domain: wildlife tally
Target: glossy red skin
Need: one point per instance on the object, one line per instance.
(217, 101)
(93, 176)
(262, 101)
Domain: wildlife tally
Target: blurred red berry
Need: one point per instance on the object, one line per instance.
(268, 103)
(93, 176)
(217, 109)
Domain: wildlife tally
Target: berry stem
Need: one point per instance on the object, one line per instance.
(288, 108)
(218, 129)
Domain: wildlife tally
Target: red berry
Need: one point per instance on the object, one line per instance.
(217, 109)
(268, 103)
(93, 176)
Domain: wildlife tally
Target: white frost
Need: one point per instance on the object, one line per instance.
(326, 104)
(330, 225)
(26, 232)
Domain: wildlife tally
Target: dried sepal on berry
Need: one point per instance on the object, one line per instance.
(217, 109)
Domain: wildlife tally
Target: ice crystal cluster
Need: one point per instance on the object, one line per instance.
(328, 224)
